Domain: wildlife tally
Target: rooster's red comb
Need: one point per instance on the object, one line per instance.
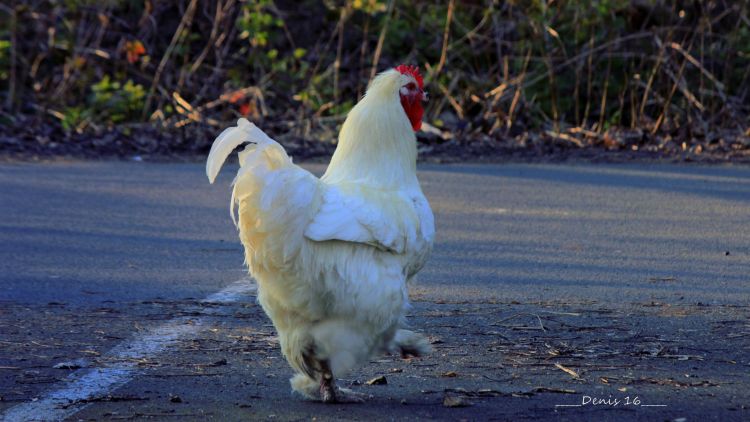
(413, 71)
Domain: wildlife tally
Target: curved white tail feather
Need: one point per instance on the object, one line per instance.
(228, 140)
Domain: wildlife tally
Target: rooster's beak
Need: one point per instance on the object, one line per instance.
(425, 96)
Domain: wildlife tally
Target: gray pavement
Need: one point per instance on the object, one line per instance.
(549, 284)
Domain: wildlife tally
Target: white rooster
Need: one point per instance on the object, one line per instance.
(333, 256)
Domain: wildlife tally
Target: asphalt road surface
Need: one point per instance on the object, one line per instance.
(555, 292)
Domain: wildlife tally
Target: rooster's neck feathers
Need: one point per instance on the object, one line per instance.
(376, 144)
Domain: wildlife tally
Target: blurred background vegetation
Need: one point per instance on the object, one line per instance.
(162, 77)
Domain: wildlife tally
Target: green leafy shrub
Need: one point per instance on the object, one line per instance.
(115, 102)
(492, 68)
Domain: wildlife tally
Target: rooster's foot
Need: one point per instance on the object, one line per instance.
(345, 395)
(410, 344)
(330, 393)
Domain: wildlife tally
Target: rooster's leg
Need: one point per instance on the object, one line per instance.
(327, 384)
(330, 393)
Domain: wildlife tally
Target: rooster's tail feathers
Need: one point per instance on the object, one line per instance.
(228, 140)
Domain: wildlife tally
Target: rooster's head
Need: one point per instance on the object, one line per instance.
(412, 94)
(402, 83)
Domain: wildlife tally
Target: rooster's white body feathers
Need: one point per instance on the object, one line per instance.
(332, 256)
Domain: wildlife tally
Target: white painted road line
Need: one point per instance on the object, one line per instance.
(73, 393)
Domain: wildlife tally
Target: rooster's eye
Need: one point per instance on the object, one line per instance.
(411, 86)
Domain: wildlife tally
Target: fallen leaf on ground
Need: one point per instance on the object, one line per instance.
(553, 390)
(455, 401)
(74, 364)
(569, 371)
(377, 381)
